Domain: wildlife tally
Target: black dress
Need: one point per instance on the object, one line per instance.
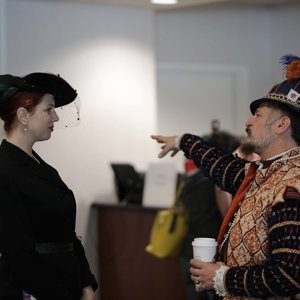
(37, 208)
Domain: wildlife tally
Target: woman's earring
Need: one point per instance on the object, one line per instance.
(25, 129)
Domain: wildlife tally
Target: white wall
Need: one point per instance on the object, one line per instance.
(214, 92)
(229, 35)
(107, 54)
(285, 34)
(219, 38)
(224, 37)
(110, 55)
(2, 36)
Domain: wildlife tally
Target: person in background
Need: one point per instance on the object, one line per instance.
(245, 151)
(199, 201)
(40, 254)
(258, 243)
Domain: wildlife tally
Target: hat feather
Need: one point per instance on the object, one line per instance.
(288, 58)
(291, 65)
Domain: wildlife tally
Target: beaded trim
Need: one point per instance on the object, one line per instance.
(282, 224)
(245, 282)
(227, 233)
(192, 147)
(204, 155)
(289, 278)
(286, 250)
(283, 159)
(237, 175)
(265, 282)
(225, 173)
(282, 98)
(213, 167)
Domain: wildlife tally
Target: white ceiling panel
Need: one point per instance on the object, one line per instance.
(181, 3)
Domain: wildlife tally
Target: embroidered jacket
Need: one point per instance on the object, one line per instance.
(263, 242)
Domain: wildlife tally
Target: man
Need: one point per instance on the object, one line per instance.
(223, 199)
(198, 198)
(259, 240)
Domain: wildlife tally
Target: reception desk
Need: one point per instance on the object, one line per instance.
(126, 271)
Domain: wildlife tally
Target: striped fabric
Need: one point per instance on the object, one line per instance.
(263, 248)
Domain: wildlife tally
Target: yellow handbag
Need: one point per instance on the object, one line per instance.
(168, 231)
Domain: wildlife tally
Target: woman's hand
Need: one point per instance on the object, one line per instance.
(203, 273)
(87, 293)
(169, 144)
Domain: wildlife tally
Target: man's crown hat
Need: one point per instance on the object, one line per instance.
(287, 92)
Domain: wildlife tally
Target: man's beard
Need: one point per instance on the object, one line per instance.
(257, 145)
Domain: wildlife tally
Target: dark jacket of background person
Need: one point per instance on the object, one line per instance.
(204, 218)
(37, 207)
(199, 197)
(199, 201)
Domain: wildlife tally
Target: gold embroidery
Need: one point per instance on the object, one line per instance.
(225, 172)
(237, 175)
(224, 279)
(245, 283)
(258, 203)
(265, 282)
(294, 282)
(286, 223)
(193, 146)
(203, 156)
(286, 250)
(213, 166)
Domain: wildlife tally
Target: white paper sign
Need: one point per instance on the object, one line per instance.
(160, 185)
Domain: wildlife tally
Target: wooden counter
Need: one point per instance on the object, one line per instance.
(126, 271)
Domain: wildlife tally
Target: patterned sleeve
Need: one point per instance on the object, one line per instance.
(279, 275)
(225, 169)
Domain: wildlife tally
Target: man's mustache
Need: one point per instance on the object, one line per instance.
(248, 130)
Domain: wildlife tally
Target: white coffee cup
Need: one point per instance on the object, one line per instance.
(204, 249)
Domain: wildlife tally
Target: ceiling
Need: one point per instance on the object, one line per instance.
(181, 3)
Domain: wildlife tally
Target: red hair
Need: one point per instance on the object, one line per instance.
(21, 99)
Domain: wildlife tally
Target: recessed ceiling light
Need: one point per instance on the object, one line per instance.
(164, 2)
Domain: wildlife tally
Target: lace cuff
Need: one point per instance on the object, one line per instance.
(177, 141)
(219, 281)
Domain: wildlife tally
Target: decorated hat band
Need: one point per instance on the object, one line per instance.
(287, 92)
(292, 97)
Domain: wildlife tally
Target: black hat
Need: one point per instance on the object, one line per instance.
(9, 85)
(36, 82)
(52, 84)
(287, 92)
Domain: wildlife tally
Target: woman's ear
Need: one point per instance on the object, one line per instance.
(22, 115)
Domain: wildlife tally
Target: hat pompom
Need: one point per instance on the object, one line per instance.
(287, 92)
(288, 58)
(293, 70)
(291, 65)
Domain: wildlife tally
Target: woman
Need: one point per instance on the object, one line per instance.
(39, 251)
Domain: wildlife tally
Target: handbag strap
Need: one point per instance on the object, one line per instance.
(178, 193)
(175, 205)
